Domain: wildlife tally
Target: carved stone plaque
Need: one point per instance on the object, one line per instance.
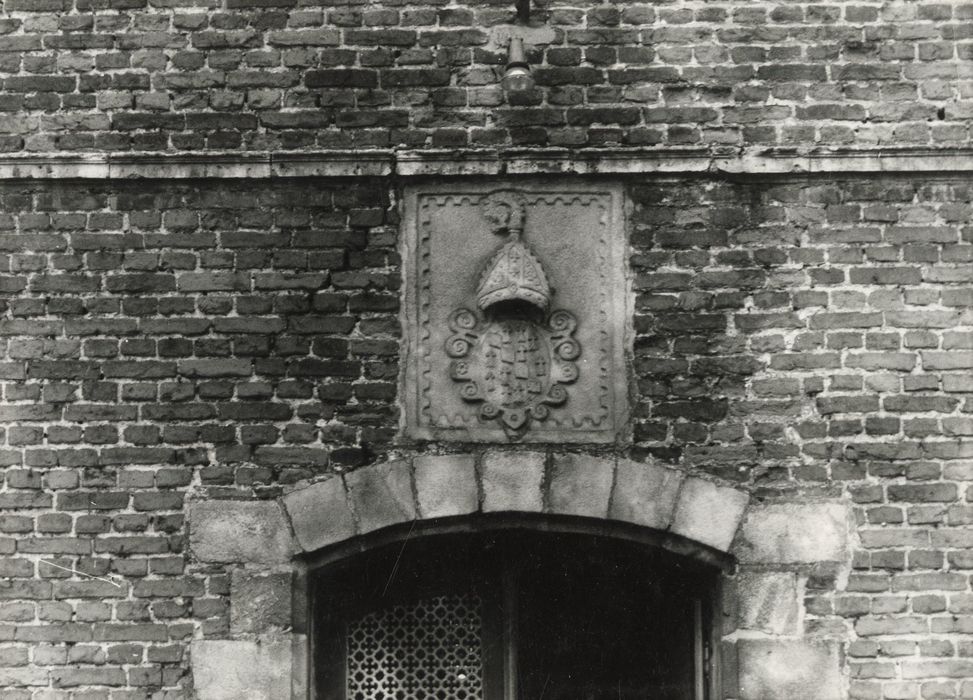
(515, 312)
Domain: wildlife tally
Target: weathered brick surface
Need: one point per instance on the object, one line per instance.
(158, 75)
(806, 339)
(229, 339)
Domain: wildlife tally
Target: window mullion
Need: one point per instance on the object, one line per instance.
(699, 651)
(510, 630)
(494, 638)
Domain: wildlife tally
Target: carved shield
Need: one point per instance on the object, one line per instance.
(515, 368)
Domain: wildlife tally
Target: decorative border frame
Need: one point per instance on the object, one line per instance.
(615, 348)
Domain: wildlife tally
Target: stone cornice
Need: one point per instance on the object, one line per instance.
(386, 162)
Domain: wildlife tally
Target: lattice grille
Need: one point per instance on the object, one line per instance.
(430, 649)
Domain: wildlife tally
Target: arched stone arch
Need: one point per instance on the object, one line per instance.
(266, 547)
(265, 544)
(330, 511)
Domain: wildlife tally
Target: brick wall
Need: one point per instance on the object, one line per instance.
(221, 338)
(814, 340)
(187, 75)
(807, 338)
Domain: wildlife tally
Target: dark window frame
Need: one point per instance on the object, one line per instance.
(500, 659)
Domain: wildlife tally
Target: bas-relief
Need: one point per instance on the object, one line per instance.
(510, 356)
(515, 312)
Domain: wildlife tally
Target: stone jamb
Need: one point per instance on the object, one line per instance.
(766, 644)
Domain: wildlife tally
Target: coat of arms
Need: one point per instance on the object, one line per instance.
(512, 356)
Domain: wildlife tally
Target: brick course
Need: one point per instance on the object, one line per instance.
(158, 75)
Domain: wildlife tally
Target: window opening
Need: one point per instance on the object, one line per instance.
(512, 615)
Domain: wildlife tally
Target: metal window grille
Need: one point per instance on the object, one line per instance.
(426, 650)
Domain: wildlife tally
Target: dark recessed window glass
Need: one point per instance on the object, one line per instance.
(512, 615)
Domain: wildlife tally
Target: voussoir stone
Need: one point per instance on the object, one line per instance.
(242, 669)
(644, 493)
(381, 494)
(446, 485)
(320, 514)
(796, 670)
(512, 481)
(709, 513)
(785, 533)
(259, 602)
(239, 531)
(580, 485)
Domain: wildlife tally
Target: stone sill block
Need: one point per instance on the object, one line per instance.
(386, 162)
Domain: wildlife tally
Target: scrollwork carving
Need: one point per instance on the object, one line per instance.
(515, 368)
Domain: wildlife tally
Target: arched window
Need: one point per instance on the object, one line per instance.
(512, 614)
